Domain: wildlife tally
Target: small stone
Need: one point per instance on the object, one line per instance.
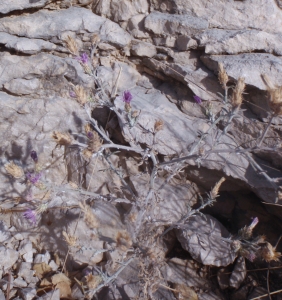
(54, 295)
(2, 296)
(53, 265)
(143, 49)
(7, 257)
(26, 272)
(19, 282)
(40, 258)
(184, 43)
(4, 282)
(76, 292)
(28, 293)
(26, 251)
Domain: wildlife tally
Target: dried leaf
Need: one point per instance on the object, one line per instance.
(41, 269)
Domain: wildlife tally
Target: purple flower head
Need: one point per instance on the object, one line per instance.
(33, 177)
(90, 135)
(127, 97)
(251, 256)
(83, 58)
(197, 99)
(30, 215)
(34, 156)
(72, 94)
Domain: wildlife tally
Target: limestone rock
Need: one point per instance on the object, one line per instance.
(219, 41)
(248, 65)
(202, 238)
(136, 26)
(167, 24)
(48, 24)
(7, 6)
(143, 49)
(120, 10)
(264, 15)
(21, 86)
(28, 293)
(8, 257)
(26, 45)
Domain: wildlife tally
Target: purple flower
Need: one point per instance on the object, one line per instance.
(30, 215)
(83, 58)
(90, 135)
(127, 97)
(33, 177)
(34, 156)
(72, 94)
(197, 99)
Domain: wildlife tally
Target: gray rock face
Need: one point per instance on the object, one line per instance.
(166, 24)
(143, 49)
(263, 15)
(218, 41)
(203, 240)
(7, 6)
(53, 23)
(120, 10)
(248, 65)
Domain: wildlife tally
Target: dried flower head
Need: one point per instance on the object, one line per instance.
(82, 96)
(268, 253)
(95, 39)
(159, 125)
(93, 280)
(127, 107)
(30, 215)
(72, 45)
(73, 185)
(83, 58)
(14, 170)
(275, 93)
(236, 98)
(33, 178)
(34, 156)
(127, 97)
(247, 231)
(87, 154)
(71, 240)
(214, 191)
(89, 217)
(63, 139)
(135, 114)
(123, 240)
(95, 142)
(222, 75)
(182, 291)
(197, 99)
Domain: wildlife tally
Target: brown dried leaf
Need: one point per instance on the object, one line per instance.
(41, 269)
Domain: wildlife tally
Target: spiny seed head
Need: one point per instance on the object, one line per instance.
(222, 75)
(71, 240)
(95, 143)
(14, 170)
(127, 107)
(214, 192)
(93, 280)
(135, 114)
(159, 125)
(123, 240)
(89, 217)
(275, 95)
(95, 39)
(269, 253)
(82, 96)
(236, 98)
(72, 45)
(62, 138)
